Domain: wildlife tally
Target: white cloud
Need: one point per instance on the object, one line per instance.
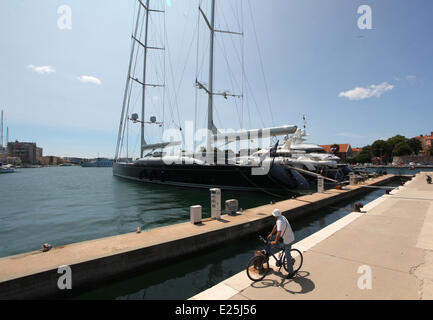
(410, 77)
(369, 92)
(42, 69)
(89, 79)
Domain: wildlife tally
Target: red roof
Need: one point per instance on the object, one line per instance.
(426, 137)
(344, 148)
(356, 149)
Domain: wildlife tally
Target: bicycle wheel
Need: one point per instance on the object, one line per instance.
(297, 260)
(257, 268)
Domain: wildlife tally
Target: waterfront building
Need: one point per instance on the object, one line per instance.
(39, 154)
(426, 141)
(72, 160)
(26, 151)
(51, 161)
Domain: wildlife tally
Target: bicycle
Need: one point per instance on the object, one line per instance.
(258, 266)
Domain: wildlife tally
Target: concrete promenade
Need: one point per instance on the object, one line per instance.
(35, 274)
(385, 252)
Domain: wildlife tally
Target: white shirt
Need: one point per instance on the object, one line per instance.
(284, 227)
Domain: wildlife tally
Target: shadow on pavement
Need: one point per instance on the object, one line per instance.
(301, 279)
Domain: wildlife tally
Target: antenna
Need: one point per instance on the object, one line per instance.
(1, 141)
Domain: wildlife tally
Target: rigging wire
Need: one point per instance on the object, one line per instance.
(261, 63)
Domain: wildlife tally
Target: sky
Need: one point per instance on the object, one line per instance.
(62, 76)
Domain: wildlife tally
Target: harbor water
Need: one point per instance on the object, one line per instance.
(62, 205)
(199, 273)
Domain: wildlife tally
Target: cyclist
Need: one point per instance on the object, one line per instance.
(284, 231)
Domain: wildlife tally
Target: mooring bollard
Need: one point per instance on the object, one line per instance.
(196, 214)
(352, 179)
(232, 207)
(215, 201)
(320, 185)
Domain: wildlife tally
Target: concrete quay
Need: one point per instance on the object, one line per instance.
(36, 274)
(385, 252)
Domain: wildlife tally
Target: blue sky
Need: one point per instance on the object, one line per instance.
(355, 86)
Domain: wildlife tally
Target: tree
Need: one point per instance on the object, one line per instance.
(415, 145)
(395, 140)
(365, 155)
(402, 149)
(335, 148)
(381, 148)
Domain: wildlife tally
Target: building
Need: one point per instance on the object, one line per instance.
(345, 151)
(51, 161)
(26, 151)
(427, 142)
(356, 152)
(39, 154)
(72, 160)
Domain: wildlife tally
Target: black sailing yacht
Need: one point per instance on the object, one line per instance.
(190, 170)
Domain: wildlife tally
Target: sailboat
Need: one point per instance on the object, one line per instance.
(192, 170)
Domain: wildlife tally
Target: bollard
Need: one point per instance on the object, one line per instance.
(320, 185)
(215, 201)
(196, 214)
(352, 179)
(232, 207)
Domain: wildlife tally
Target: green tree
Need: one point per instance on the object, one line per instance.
(415, 145)
(392, 142)
(365, 155)
(381, 148)
(402, 149)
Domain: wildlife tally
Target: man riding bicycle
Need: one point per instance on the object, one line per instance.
(284, 231)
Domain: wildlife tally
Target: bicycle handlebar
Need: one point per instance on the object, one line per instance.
(263, 239)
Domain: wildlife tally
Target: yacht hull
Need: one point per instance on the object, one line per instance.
(225, 177)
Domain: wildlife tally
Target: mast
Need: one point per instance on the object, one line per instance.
(212, 130)
(143, 105)
(210, 124)
(127, 95)
(128, 80)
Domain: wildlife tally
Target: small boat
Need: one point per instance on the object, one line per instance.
(66, 165)
(98, 163)
(6, 168)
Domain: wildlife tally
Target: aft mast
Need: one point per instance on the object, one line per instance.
(212, 130)
(211, 126)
